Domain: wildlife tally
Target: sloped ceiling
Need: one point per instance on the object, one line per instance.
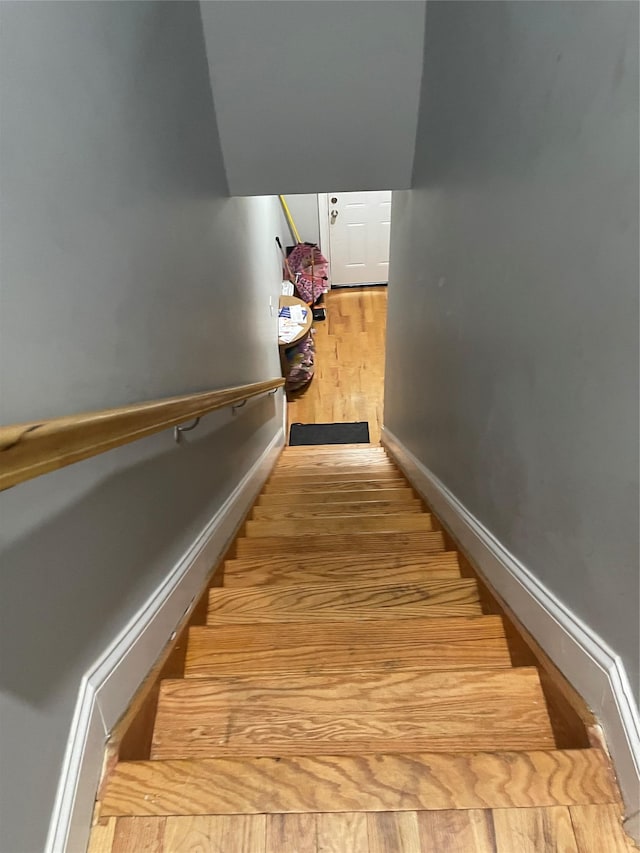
(315, 95)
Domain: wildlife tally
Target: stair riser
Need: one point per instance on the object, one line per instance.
(318, 568)
(335, 466)
(258, 578)
(333, 459)
(390, 496)
(360, 544)
(391, 523)
(317, 474)
(329, 449)
(308, 484)
(326, 510)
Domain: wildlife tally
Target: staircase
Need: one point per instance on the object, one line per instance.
(346, 667)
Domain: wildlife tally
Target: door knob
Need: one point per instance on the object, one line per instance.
(334, 216)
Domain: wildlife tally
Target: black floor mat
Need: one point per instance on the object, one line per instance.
(352, 433)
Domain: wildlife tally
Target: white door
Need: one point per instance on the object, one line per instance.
(359, 227)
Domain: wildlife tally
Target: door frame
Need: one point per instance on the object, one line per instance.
(323, 225)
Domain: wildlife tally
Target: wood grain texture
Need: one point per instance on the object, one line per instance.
(333, 463)
(393, 832)
(102, 835)
(398, 523)
(598, 829)
(326, 508)
(534, 830)
(556, 829)
(31, 449)
(311, 475)
(292, 450)
(215, 834)
(319, 568)
(359, 445)
(345, 543)
(337, 833)
(289, 499)
(323, 647)
(360, 783)
(329, 460)
(137, 834)
(454, 711)
(333, 451)
(291, 833)
(131, 737)
(456, 831)
(382, 691)
(359, 600)
(350, 349)
(569, 714)
(351, 485)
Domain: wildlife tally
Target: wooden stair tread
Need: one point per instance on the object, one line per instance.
(346, 665)
(347, 457)
(360, 447)
(322, 647)
(398, 523)
(290, 498)
(366, 457)
(400, 782)
(367, 468)
(454, 711)
(318, 475)
(373, 601)
(304, 569)
(350, 485)
(328, 509)
(186, 700)
(341, 543)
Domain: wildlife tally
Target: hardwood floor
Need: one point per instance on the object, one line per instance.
(353, 688)
(348, 384)
(556, 829)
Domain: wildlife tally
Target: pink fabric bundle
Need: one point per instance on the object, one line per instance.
(310, 268)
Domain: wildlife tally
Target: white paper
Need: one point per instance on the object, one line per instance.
(288, 330)
(297, 313)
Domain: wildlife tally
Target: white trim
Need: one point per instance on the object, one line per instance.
(593, 668)
(323, 227)
(108, 687)
(285, 418)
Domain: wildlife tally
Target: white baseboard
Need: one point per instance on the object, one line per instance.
(591, 666)
(108, 687)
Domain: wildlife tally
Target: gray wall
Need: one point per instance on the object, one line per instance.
(304, 209)
(512, 342)
(315, 95)
(127, 274)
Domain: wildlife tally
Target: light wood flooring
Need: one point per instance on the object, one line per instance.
(347, 685)
(558, 829)
(348, 384)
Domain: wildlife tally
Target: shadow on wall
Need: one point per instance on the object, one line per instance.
(72, 583)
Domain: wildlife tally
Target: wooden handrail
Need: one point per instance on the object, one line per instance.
(28, 450)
